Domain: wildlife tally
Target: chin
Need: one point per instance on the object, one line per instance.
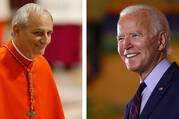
(42, 51)
(132, 68)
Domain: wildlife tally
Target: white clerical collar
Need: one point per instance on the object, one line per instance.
(20, 52)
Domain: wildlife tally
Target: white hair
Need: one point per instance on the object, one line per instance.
(22, 14)
(158, 19)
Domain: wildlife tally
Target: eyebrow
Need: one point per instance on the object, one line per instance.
(120, 35)
(137, 32)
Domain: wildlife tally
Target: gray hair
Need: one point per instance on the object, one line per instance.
(22, 14)
(158, 19)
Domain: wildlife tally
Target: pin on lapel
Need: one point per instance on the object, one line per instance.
(160, 89)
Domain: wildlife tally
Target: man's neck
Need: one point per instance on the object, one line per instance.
(143, 75)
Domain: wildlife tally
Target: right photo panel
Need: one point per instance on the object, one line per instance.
(132, 59)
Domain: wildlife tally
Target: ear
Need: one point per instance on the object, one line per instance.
(162, 41)
(16, 29)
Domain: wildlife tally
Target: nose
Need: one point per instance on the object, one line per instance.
(46, 39)
(126, 43)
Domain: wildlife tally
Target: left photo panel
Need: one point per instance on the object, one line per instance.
(41, 59)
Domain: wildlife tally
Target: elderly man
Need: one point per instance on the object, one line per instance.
(27, 86)
(143, 36)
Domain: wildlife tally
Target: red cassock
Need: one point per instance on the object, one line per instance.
(14, 92)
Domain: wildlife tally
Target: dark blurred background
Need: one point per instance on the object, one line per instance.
(110, 84)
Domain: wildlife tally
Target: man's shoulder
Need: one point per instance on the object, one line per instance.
(173, 72)
(175, 66)
(43, 67)
(42, 62)
(41, 58)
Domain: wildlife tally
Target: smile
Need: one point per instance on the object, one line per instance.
(130, 55)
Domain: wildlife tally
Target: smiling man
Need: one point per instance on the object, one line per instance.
(27, 86)
(143, 36)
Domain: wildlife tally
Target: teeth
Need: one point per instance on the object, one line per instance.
(130, 55)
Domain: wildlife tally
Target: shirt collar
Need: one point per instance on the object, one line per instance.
(18, 54)
(153, 78)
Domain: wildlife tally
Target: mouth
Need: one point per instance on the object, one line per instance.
(128, 56)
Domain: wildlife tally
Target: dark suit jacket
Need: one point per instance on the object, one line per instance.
(163, 103)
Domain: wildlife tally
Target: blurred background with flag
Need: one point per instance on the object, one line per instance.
(110, 84)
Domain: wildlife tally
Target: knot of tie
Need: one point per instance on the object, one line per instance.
(136, 102)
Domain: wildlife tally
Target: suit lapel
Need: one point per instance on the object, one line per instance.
(126, 113)
(158, 92)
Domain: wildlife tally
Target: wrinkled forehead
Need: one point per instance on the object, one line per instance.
(39, 21)
(39, 14)
(39, 18)
(138, 20)
(138, 16)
